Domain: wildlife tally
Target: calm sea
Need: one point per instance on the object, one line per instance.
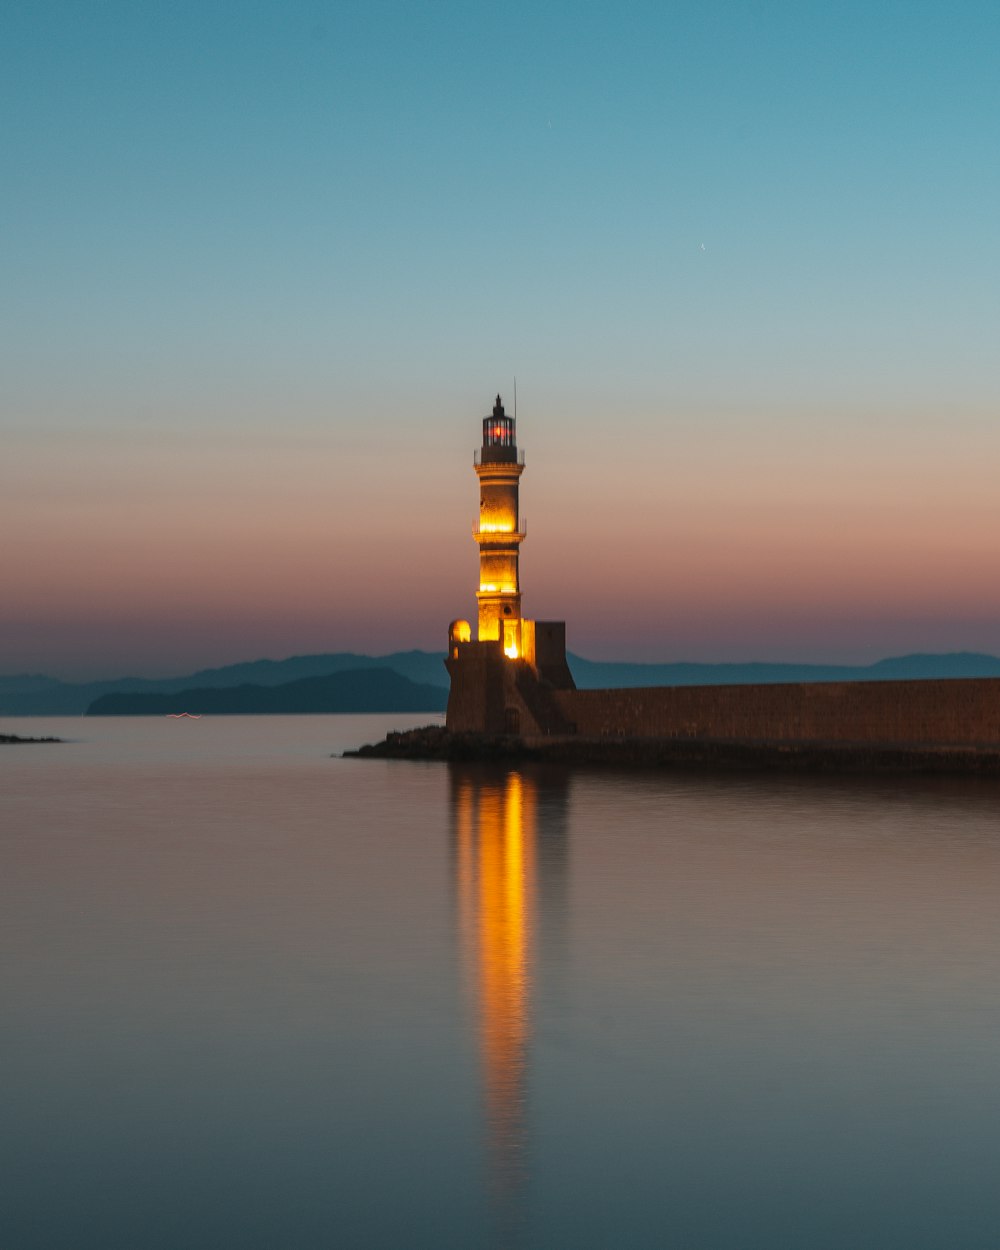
(255, 996)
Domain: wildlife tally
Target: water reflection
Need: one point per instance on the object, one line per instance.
(698, 1012)
(510, 866)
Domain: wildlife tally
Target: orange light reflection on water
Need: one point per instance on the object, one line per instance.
(495, 827)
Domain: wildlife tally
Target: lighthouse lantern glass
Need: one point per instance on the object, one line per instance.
(498, 432)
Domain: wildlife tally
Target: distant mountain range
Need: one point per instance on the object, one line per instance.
(356, 690)
(38, 695)
(591, 674)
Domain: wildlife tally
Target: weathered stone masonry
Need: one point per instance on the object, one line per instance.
(960, 712)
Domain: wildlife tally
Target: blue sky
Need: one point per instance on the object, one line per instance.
(706, 235)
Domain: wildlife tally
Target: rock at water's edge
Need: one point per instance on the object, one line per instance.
(434, 742)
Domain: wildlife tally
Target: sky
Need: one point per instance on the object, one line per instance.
(264, 266)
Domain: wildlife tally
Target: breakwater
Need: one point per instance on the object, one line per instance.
(436, 743)
(918, 714)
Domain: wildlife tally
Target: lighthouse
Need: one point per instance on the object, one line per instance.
(506, 681)
(499, 532)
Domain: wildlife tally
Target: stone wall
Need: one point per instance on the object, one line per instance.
(549, 656)
(494, 695)
(945, 712)
(486, 694)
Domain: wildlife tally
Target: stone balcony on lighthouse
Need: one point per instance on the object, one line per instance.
(485, 532)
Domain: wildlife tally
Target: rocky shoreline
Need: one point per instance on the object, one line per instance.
(433, 742)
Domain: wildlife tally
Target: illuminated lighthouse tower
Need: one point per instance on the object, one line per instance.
(499, 532)
(506, 682)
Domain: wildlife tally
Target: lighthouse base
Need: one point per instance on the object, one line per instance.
(494, 694)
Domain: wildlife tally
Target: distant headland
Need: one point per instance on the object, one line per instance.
(352, 691)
